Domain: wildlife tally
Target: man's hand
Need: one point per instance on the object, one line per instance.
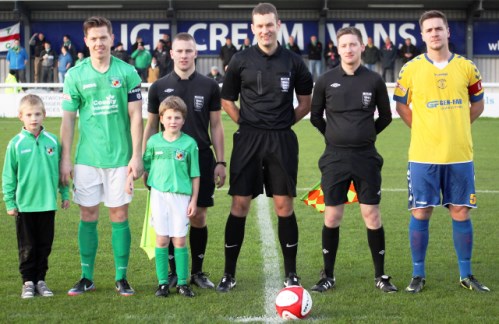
(136, 167)
(219, 175)
(65, 172)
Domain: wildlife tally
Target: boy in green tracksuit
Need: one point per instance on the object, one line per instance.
(30, 180)
(171, 165)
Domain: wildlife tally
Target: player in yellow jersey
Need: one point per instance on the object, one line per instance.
(446, 96)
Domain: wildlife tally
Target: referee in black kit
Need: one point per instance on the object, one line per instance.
(350, 94)
(202, 97)
(265, 150)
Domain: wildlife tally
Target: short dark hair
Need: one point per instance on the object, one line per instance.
(264, 8)
(175, 103)
(184, 37)
(349, 31)
(432, 14)
(96, 21)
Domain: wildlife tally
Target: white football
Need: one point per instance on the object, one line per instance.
(293, 302)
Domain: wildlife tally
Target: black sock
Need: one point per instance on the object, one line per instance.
(171, 258)
(198, 239)
(376, 240)
(288, 237)
(234, 236)
(330, 243)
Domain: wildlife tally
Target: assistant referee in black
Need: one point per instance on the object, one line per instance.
(265, 150)
(202, 97)
(350, 94)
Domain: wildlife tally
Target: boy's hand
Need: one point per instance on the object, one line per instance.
(192, 209)
(129, 184)
(144, 177)
(12, 212)
(65, 204)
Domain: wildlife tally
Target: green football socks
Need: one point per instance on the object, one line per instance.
(121, 239)
(162, 265)
(88, 242)
(182, 261)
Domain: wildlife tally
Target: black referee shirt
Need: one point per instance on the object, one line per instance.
(201, 95)
(266, 84)
(350, 102)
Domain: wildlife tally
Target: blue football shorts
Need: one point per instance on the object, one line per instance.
(432, 185)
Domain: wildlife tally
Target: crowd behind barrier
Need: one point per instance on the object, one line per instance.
(51, 93)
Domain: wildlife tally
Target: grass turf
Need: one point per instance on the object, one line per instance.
(354, 300)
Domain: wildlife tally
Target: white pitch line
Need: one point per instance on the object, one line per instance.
(485, 191)
(270, 258)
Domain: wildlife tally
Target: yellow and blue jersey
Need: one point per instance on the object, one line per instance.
(440, 102)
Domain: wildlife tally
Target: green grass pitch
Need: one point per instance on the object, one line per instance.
(354, 300)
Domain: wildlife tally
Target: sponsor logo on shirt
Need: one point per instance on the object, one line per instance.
(180, 155)
(25, 151)
(107, 106)
(198, 103)
(404, 90)
(116, 82)
(335, 85)
(169, 90)
(445, 104)
(66, 97)
(90, 85)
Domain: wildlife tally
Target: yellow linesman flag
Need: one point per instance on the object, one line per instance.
(148, 239)
(315, 197)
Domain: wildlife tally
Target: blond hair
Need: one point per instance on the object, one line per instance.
(175, 103)
(31, 100)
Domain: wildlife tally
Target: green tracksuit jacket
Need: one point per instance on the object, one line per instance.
(30, 178)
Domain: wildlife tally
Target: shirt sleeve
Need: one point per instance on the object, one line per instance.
(383, 105)
(318, 106)
(402, 91)
(9, 177)
(475, 89)
(232, 82)
(148, 155)
(194, 160)
(304, 82)
(215, 103)
(152, 99)
(71, 99)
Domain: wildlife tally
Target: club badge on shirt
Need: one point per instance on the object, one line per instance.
(116, 82)
(179, 155)
(366, 99)
(285, 84)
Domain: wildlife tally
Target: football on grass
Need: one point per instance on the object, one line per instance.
(293, 302)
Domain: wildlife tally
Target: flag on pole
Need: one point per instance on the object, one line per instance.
(148, 239)
(315, 197)
(8, 35)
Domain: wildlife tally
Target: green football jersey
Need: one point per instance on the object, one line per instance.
(171, 165)
(101, 100)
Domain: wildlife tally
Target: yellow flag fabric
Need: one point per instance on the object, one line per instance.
(315, 197)
(148, 239)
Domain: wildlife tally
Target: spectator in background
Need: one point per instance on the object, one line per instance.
(65, 61)
(292, 46)
(226, 52)
(18, 58)
(136, 44)
(163, 58)
(37, 44)
(215, 74)
(331, 56)
(154, 71)
(246, 44)
(142, 58)
(71, 48)
(388, 56)
(314, 52)
(408, 51)
(371, 55)
(11, 78)
(80, 59)
(120, 53)
(168, 43)
(49, 58)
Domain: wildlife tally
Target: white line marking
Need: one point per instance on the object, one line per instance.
(485, 191)
(270, 258)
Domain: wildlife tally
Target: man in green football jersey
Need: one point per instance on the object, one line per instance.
(105, 92)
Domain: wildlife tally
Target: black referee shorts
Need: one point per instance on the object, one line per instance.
(206, 180)
(263, 157)
(341, 166)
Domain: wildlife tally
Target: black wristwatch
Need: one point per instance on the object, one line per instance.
(222, 163)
